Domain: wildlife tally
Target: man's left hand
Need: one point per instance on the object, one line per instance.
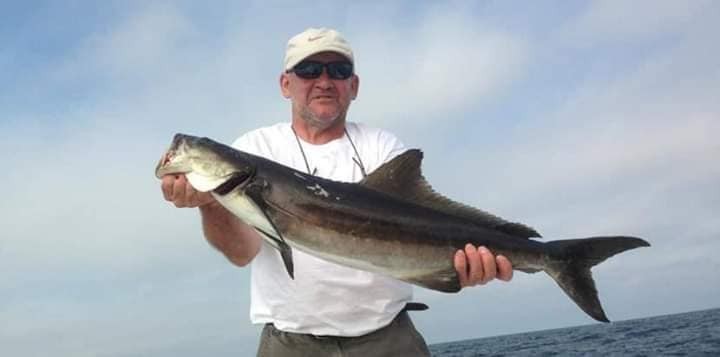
(479, 266)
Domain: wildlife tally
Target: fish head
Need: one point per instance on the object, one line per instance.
(207, 164)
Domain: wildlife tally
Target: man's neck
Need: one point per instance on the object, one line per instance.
(318, 135)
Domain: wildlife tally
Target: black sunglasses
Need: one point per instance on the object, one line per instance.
(314, 69)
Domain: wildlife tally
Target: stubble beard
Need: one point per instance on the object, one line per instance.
(314, 121)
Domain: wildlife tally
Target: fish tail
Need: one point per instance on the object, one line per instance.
(570, 262)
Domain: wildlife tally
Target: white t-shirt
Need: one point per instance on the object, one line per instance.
(324, 298)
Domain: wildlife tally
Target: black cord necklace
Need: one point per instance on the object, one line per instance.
(303, 152)
(356, 159)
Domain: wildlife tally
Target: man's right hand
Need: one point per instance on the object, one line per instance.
(177, 189)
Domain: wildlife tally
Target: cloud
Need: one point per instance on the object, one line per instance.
(627, 21)
(171, 317)
(439, 69)
(615, 135)
(136, 49)
(650, 117)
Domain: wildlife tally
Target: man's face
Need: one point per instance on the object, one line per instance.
(323, 100)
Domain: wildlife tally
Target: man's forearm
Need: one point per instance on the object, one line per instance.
(239, 242)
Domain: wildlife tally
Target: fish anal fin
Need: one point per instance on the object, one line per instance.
(402, 178)
(445, 281)
(527, 270)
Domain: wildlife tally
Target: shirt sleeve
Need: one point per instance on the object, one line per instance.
(243, 143)
(392, 146)
(253, 142)
(388, 146)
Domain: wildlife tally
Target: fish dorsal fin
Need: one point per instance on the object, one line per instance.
(402, 178)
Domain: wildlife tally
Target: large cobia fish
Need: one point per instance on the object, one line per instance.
(390, 223)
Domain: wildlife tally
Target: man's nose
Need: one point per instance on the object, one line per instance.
(324, 80)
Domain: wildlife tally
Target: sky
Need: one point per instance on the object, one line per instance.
(578, 119)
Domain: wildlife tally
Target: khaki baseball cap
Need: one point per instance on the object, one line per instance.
(315, 40)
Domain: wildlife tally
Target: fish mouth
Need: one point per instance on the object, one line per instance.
(163, 166)
(171, 161)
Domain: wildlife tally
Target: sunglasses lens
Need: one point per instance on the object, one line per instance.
(312, 69)
(308, 69)
(340, 70)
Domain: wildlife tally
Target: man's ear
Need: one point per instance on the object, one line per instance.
(354, 86)
(285, 85)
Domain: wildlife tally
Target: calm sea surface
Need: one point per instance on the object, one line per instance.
(690, 334)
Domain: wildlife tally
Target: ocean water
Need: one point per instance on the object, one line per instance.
(689, 334)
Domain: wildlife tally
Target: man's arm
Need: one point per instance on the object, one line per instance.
(239, 242)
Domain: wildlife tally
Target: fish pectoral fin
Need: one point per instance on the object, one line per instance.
(286, 254)
(283, 248)
(233, 181)
(255, 194)
(274, 242)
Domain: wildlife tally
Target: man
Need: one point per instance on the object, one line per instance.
(327, 309)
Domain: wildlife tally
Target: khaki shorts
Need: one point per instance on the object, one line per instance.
(398, 339)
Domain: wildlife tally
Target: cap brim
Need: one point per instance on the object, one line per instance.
(335, 49)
